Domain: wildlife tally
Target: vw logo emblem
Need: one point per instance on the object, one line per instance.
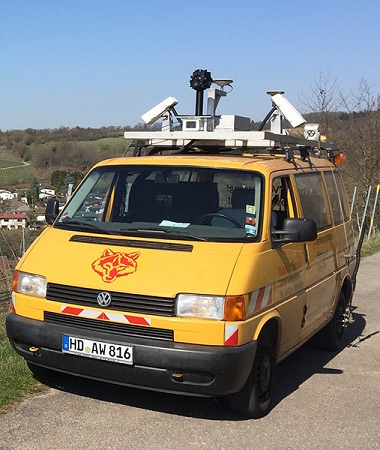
(104, 299)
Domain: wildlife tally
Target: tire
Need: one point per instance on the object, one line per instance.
(330, 338)
(253, 400)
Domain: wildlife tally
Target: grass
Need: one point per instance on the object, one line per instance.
(16, 380)
(112, 143)
(372, 245)
(13, 169)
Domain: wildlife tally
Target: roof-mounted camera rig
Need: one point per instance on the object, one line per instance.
(215, 133)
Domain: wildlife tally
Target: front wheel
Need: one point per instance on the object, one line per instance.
(253, 400)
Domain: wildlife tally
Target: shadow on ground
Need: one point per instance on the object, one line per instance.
(290, 375)
(308, 361)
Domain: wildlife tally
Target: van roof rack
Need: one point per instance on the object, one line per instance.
(212, 133)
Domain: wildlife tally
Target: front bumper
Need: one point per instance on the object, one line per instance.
(167, 366)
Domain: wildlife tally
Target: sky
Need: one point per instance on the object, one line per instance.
(94, 63)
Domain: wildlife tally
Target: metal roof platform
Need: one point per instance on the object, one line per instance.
(227, 139)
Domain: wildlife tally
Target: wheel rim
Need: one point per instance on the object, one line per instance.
(339, 323)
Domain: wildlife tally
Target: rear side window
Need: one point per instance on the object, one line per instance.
(313, 199)
(338, 197)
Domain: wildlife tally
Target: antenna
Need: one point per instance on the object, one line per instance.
(223, 82)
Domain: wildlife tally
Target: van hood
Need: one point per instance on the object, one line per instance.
(135, 265)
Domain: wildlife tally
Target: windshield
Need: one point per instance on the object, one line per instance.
(167, 201)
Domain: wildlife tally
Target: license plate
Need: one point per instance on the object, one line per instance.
(97, 349)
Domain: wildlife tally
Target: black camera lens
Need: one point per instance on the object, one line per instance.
(200, 80)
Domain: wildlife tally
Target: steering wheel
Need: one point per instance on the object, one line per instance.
(222, 216)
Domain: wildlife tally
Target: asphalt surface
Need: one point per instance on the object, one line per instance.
(321, 401)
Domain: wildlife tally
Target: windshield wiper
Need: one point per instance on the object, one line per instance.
(85, 226)
(174, 233)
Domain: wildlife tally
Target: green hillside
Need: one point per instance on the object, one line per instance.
(38, 160)
(13, 170)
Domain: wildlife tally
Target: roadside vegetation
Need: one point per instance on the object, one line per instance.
(372, 245)
(16, 380)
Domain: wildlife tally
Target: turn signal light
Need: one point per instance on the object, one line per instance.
(15, 280)
(339, 158)
(234, 307)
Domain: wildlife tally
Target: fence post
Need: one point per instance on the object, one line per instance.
(365, 209)
(353, 200)
(373, 212)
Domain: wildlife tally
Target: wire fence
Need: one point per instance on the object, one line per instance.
(5, 298)
(369, 210)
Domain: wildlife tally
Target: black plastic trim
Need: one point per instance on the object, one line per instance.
(208, 370)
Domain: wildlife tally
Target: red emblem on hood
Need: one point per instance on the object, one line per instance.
(112, 265)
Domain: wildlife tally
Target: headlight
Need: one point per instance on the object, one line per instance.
(28, 283)
(200, 306)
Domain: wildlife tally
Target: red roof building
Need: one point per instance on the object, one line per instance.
(12, 221)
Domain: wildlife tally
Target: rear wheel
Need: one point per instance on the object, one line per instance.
(331, 336)
(253, 400)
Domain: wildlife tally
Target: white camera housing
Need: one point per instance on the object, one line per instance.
(159, 110)
(286, 108)
(311, 131)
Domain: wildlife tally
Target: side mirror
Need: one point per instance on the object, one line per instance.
(52, 210)
(295, 230)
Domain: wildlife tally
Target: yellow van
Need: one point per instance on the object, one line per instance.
(195, 265)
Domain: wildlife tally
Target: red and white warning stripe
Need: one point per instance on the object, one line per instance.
(260, 298)
(113, 317)
(231, 335)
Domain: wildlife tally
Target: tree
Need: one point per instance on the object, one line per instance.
(42, 158)
(352, 121)
(359, 134)
(57, 179)
(33, 193)
(60, 179)
(322, 102)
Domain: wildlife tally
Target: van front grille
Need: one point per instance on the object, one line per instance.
(82, 323)
(140, 304)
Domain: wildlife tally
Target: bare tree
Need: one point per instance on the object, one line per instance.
(352, 121)
(359, 133)
(323, 101)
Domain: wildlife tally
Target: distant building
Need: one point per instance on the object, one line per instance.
(7, 195)
(12, 221)
(45, 191)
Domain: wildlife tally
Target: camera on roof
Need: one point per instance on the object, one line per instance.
(200, 80)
